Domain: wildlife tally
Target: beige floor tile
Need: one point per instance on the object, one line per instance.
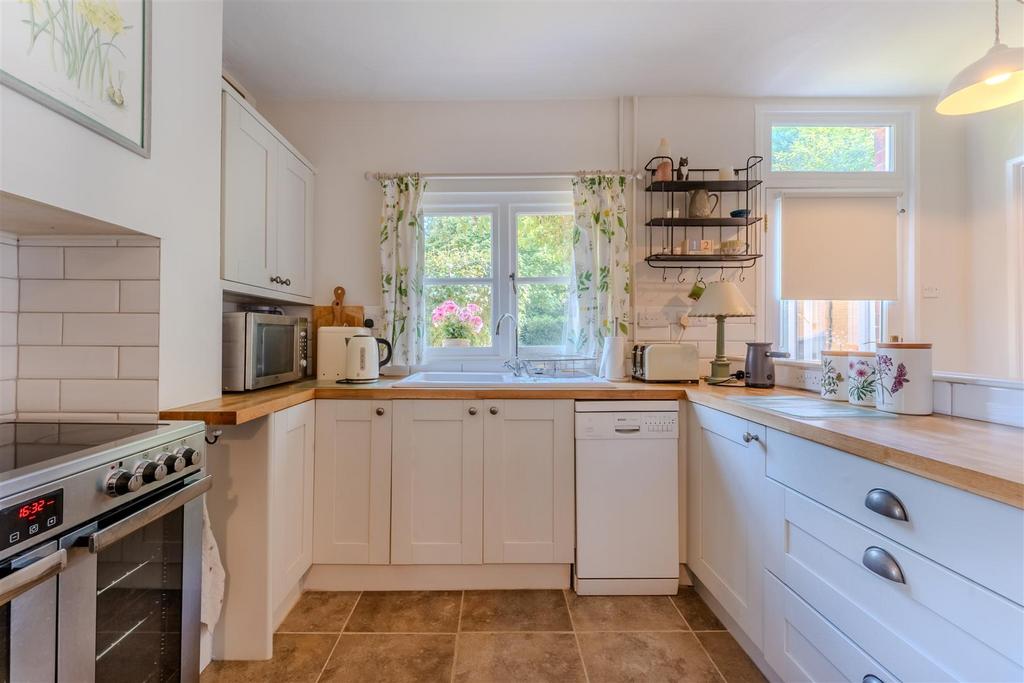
(730, 658)
(391, 657)
(319, 612)
(297, 659)
(624, 613)
(515, 610)
(624, 657)
(518, 657)
(697, 614)
(406, 612)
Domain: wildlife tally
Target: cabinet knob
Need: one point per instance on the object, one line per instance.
(886, 504)
(494, 410)
(748, 437)
(379, 411)
(882, 563)
(472, 411)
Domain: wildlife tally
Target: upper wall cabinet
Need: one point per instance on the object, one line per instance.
(267, 208)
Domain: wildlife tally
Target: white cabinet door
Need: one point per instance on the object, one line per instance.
(727, 492)
(291, 498)
(353, 482)
(528, 481)
(437, 482)
(294, 225)
(248, 204)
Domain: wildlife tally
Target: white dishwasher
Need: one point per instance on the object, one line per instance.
(627, 498)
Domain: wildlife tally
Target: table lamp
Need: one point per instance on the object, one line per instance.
(721, 300)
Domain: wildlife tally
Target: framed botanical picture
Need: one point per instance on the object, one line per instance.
(86, 59)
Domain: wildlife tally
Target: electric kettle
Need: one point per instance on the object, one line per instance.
(363, 361)
(760, 368)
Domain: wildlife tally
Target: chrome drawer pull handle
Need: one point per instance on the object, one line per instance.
(886, 504)
(748, 437)
(882, 563)
(871, 678)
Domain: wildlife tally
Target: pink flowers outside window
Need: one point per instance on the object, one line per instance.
(457, 322)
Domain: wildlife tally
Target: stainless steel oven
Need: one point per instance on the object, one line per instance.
(263, 349)
(101, 554)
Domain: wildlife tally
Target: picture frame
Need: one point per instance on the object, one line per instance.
(103, 81)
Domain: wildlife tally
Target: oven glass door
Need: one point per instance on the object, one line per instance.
(28, 614)
(274, 350)
(129, 598)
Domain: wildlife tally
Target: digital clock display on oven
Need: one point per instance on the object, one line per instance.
(31, 517)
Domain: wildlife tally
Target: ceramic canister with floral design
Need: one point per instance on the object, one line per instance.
(862, 377)
(833, 375)
(904, 378)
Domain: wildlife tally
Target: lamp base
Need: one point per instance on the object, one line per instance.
(719, 370)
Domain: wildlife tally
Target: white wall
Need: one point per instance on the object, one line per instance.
(993, 138)
(344, 140)
(174, 195)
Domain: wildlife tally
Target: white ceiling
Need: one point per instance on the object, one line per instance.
(427, 50)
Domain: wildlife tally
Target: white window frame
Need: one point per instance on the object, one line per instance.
(899, 318)
(503, 207)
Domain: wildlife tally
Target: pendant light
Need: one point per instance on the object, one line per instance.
(995, 80)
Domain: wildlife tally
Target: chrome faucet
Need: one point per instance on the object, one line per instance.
(515, 365)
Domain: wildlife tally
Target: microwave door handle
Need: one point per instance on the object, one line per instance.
(115, 532)
(23, 580)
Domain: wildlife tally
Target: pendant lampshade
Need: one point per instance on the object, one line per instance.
(995, 80)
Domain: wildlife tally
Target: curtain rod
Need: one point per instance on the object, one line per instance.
(371, 175)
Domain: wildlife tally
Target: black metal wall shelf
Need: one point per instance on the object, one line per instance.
(714, 241)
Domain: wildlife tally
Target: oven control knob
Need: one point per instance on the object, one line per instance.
(151, 471)
(173, 462)
(193, 458)
(120, 482)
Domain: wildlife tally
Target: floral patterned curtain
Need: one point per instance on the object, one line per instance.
(401, 261)
(601, 275)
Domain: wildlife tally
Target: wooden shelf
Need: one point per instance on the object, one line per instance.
(711, 221)
(709, 185)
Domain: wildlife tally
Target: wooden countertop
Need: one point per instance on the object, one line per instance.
(979, 457)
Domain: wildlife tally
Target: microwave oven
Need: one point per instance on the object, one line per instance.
(263, 349)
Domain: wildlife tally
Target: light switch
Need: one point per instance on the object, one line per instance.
(930, 292)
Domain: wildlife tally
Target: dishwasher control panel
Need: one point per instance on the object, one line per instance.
(650, 425)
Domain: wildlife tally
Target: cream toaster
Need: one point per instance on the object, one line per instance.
(666, 362)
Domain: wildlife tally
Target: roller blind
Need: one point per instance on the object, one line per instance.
(839, 248)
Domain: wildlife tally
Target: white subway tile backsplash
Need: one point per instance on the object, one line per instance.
(8, 329)
(140, 296)
(64, 296)
(7, 393)
(138, 362)
(8, 362)
(120, 263)
(39, 328)
(38, 395)
(121, 395)
(990, 404)
(8, 260)
(121, 329)
(41, 263)
(8, 295)
(67, 362)
(68, 417)
(138, 417)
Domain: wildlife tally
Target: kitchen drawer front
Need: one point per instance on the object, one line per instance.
(729, 426)
(935, 626)
(974, 536)
(801, 645)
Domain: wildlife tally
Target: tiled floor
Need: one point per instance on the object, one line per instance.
(538, 635)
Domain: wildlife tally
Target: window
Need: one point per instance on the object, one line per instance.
(487, 254)
(831, 149)
(809, 327)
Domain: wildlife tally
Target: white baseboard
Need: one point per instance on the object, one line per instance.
(394, 577)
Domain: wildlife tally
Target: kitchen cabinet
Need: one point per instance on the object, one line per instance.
(726, 501)
(291, 498)
(528, 481)
(437, 482)
(352, 493)
(267, 206)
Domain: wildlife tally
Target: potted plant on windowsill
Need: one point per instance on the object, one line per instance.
(457, 323)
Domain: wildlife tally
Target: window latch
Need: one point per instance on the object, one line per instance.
(512, 277)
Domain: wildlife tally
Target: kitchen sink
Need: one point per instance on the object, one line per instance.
(498, 380)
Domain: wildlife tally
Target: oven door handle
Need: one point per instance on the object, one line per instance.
(27, 578)
(115, 532)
